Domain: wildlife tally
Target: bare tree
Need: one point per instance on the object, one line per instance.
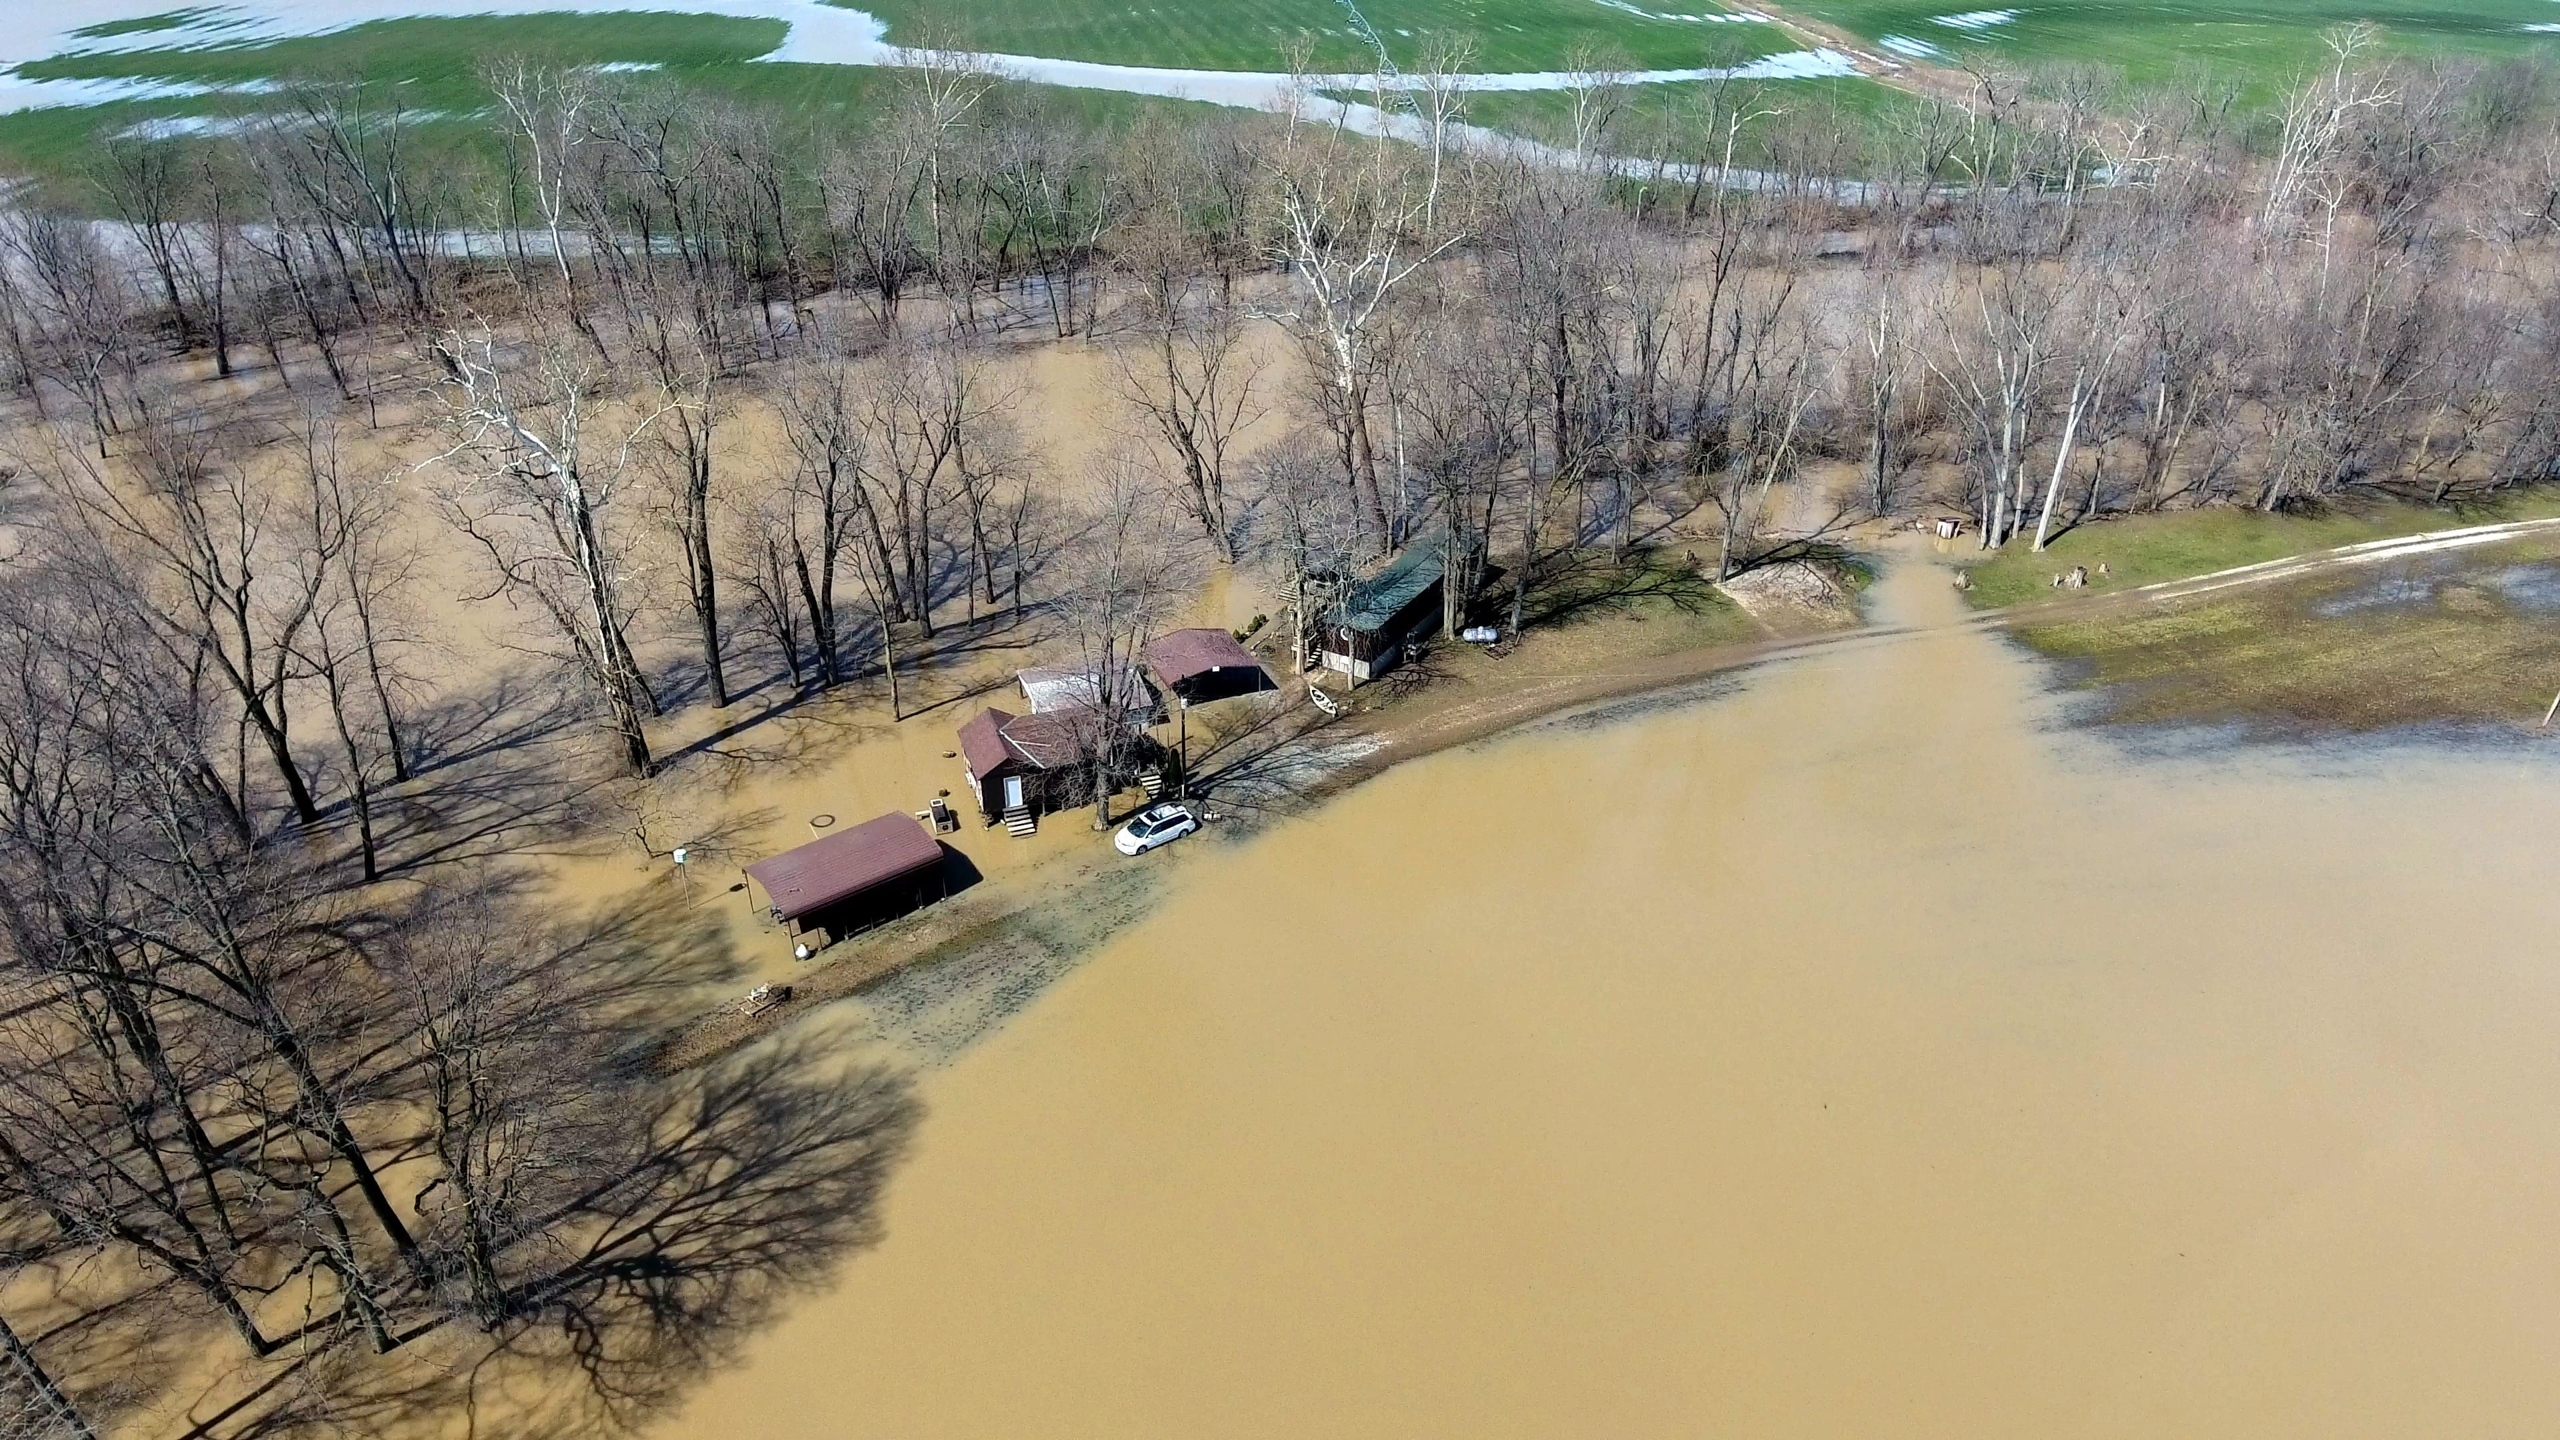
(77, 302)
(548, 113)
(1186, 371)
(872, 191)
(922, 405)
(1994, 344)
(828, 508)
(237, 583)
(536, 474)
(1781, 377)
(2318, 118)
(349, 522)
(1354, 218)
(1312, 536)
(2109, 321)
(347, 150)
(1126, 573)
(941, 90)
(1882, 357)
(145, 186)
(32, 1406)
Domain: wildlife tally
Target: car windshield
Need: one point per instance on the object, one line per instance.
(1142, 827)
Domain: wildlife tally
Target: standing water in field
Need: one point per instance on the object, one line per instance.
(1860, 1053)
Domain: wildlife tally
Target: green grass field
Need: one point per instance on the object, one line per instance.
(1233, 35)
(436, 62)
(439, 58)
(2264, 42)
(1262, 34)
(143, 25)
(437, 66)
(1677, 113)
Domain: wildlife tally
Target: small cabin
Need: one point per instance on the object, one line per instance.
(853, 880)
(1196, 667)
(1025, 765)
(1368, 629)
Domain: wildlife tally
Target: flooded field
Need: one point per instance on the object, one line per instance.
(1852, 1052)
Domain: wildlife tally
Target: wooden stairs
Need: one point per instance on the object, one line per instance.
(1152, 781)
(1018, 822)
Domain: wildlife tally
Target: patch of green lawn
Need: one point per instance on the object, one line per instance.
(2143, 549)
(1681, 608)
(2452, 642)
(1263, 34)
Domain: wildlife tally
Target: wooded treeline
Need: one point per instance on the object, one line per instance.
(276, 1059)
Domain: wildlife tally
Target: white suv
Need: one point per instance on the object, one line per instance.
(1159, 824)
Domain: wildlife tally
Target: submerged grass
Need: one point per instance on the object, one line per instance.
(2142, 549)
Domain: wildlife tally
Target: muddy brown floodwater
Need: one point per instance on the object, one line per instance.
(1861, 1052)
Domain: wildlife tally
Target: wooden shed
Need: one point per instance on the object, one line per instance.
(1368, 628)
(1198, 666)
(848, 882)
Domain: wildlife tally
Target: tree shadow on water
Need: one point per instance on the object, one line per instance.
(597, 1233)
(755, 1179)
(761, 1173)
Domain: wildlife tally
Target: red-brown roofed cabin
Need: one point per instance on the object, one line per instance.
(1031, 763)
(855, 879)
(1199, 666)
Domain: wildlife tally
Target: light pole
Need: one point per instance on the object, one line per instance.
(684, 869)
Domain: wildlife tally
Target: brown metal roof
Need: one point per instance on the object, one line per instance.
(1050, 740)
(847, 863)
(994, 737)
(982, 742)
(1179, 655)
